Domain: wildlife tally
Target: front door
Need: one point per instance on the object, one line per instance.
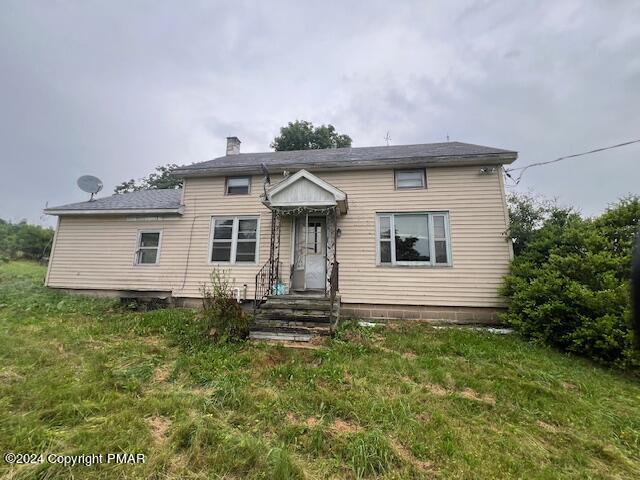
(310, 253)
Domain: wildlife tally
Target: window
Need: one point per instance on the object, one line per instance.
(406, 179)
(234, 239)
(148, 252)
(238, 185)
(413, 239)
(314, 237)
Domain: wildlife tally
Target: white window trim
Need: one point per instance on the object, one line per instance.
(138, 248)
(423, 171)
(234, 239)
(226, 185)
(432, 250)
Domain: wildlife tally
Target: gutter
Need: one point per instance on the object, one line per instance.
(115, 211)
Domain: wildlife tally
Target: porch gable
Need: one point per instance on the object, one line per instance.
(303, 189)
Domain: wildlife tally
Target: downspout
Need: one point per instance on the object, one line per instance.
(505, 210)
(266, 181)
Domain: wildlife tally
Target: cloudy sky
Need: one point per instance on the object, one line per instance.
(114, 88)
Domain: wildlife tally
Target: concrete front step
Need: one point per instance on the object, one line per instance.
(279, 336)
(285, 322)
(321, 332)
(293, 315)
(297, 304)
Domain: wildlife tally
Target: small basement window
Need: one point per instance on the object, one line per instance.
(238, 186)
(148, 252)
(409, 179)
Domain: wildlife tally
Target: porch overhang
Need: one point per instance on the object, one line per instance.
(305, 190)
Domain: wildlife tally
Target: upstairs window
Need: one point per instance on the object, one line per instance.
(413, 239)
(234, 240)
(148, 252)
(410, 179)
(238, 186)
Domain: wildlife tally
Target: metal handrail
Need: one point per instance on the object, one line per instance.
(333, 289)
(265, 280)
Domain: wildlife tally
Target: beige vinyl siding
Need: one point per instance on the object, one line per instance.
(98, 252)
(479, 249)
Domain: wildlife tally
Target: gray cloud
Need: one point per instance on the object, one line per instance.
(116, 88)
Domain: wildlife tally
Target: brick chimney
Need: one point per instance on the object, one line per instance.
(233, 145)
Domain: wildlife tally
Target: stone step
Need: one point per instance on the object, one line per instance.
(298, 305)
(303, 296)
(294, 330)
(280, 337)
(286, 323)
(294, 315)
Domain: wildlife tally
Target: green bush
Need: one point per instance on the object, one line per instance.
(224, 318)
(569, 286)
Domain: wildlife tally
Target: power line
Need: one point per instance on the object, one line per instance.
(537, 164)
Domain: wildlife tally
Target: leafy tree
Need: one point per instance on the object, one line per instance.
(527, 214)
(302, 135)
(21, 240)
(163, 178)
(569, 286)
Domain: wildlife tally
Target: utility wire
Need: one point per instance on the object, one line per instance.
(537, 164)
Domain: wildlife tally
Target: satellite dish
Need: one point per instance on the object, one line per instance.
(90, 184)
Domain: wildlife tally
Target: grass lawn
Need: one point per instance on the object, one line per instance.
(82, 375)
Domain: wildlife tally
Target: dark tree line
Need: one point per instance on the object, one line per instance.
(24, 241)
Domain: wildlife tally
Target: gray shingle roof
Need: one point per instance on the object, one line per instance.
(143, 200)
(347, 158)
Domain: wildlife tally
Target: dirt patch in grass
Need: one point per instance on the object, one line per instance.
(471, 394)
(311, 422)
(547, 426)
(342, 426)
(409, 355)
(424, 417)
(162, 373)
(158, 427)
(406, 455)
(153, 341)
(7, 375)
(437, 390)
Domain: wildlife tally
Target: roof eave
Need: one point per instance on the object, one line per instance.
(444, 161)
(115, 211)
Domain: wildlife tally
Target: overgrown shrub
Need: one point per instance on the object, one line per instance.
(569, 286)
(223, 316)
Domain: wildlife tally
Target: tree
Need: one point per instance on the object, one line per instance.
(21, 240)
(527, 214)
(302, 135)
(164, 178)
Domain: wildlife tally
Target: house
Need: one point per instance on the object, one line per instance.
(407, 231)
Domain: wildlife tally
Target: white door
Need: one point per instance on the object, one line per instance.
(310, 253)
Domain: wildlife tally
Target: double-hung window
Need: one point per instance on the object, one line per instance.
(148, 252)
(238, 186)
(410, 179)
(413, 239)
(234, 239)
